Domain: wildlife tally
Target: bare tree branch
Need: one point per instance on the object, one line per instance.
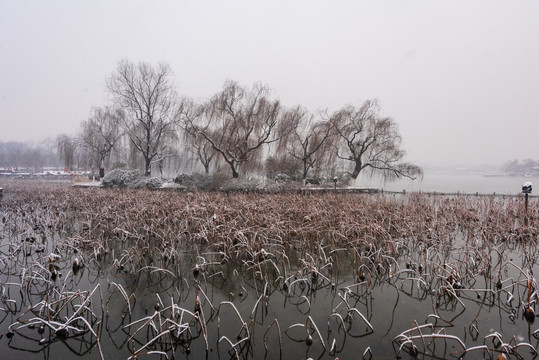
(149, 100)
(101, 133)
(370, 141)
(238, 122)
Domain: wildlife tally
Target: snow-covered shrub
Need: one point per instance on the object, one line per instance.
(121, 178)
(182, 179)
(195, 181)
(281, 178)
(147, 182)
(154, 182)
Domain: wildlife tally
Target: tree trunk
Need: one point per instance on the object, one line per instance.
(102, 166)
(148, 170)
(305, 171)
(357, 170)
(235, 173)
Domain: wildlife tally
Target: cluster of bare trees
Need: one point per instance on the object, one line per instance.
(241, 127)
(18, 156)
(524, 167)
(94, 145)
(138, 129)
(236, 124)
(239, 130)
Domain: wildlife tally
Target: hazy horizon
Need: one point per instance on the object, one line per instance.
(460, 78)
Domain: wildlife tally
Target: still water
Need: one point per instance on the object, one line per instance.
(453, 183)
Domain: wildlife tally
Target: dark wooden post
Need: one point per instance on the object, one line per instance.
(526, 189)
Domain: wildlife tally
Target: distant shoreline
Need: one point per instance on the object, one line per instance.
(497, 175)
(508, 175)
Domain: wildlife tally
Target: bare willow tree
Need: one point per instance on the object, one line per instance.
(101, 133)
(237, 122)
(309, 142)
(371, 142)
(148, 98)
(67, 147)
(193, 126)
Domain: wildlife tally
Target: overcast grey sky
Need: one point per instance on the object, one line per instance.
(460, 78)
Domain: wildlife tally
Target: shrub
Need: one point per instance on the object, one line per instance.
(283, 165)
(281, 178)
(218, 179)
(121, 178)
(154, 182)
(313, 180)
(147, 182)
(344, 177)
(182, 179)
(195, 181)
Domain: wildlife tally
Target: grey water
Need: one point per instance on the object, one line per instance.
(453, 183)
(391, 304)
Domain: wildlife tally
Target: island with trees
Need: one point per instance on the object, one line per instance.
(240, 132)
